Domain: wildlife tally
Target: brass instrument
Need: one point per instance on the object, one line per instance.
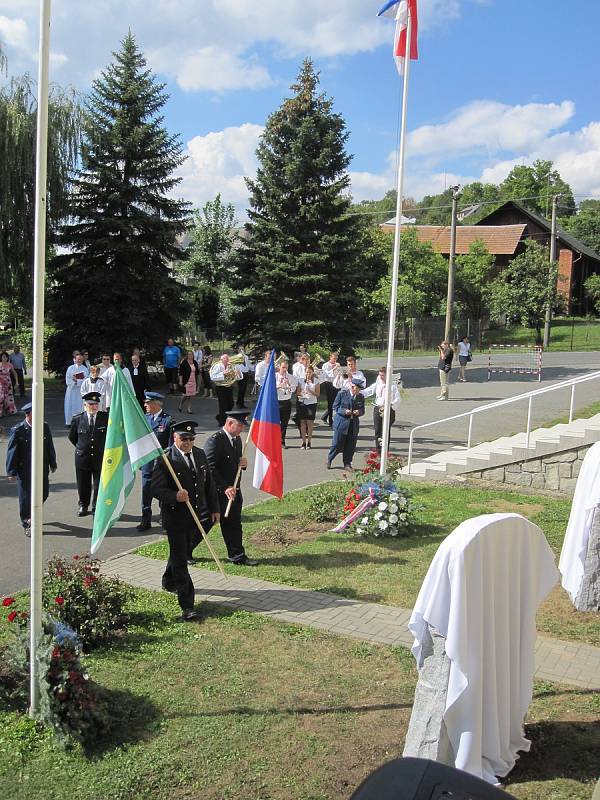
(231, 375)
(318, 359)
(281, 357)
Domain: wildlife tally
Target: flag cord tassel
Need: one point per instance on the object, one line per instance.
(194, 516)
(239, 469)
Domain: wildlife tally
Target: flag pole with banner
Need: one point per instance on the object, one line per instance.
(130, 443)
(405, 49)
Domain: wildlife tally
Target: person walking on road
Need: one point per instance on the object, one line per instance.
(464, 356)
(348, 406)
(446, 355)
(18, 464)
(17, 359)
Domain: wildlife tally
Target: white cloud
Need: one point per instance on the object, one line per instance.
(213, 45)
(211, 68)
(490, 126)
(219, 162)
(13, 32)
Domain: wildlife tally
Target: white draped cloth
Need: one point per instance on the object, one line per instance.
(585, 501)
(481, 593)
(76, 374)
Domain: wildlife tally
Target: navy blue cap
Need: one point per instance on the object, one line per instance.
(358, 382)
(27, 408)
(188, 426)
(238, 416)
(154, 396)
(92, 397)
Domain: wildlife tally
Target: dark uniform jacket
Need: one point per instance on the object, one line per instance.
(161, 427)
(89, 446)
(343, 401)
(202, 490)
(223, 458)
(18, 452)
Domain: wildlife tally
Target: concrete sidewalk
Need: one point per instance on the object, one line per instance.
(555, 660)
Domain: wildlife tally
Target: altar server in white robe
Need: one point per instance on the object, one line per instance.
(109, 378)
(586, 501)
(76, 374)
(481, 593)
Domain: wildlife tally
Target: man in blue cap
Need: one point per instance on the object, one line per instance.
(348, 406)
(191, 467)
(161, 424)
(18, 464)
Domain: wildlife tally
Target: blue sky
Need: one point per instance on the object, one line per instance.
(498, 82)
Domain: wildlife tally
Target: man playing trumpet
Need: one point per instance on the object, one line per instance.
(224, 374)
(377, 390)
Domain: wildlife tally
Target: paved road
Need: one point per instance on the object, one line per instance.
(66, 534)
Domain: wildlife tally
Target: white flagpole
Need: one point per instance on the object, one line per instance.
(385, 439)
(37, 391)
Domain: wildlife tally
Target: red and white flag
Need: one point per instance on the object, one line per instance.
(399, 10)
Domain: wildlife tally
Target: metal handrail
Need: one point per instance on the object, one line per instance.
(572, 382)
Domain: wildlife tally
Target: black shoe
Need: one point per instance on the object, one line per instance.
(190, 615)
(82, 512)
(324, 417)
(192, 561)
(349, 467)
(27, 528)
(284, 445)
(144, 525)
(303, 446)
(245, 561)
(329, 465)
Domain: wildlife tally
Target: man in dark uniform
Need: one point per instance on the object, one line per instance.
(88, 434)
(18, 464)
(191, 467)
(161, 423)
(348, 406)
(224, 453)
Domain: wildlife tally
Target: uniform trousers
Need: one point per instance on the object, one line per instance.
(378, 424)
(241, 390)
(24, 487)
(331, 393)
(88, 481)
(225, 400)
(285, 410)
(231, 527)
(176, 577)
(147, 491)
(344, 443)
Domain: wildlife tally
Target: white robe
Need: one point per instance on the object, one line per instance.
(585, 501)
(98, 386)
(109, 379)
(73, 400)
(481, 593)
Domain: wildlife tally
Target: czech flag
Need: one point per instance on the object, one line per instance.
(399, 10)
(265, 433)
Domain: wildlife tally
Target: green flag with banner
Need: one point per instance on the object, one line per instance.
(130, 443)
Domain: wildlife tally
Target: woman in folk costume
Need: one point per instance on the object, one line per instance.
(188, 380)
(7, 400)
(76, 374)
(306, 405)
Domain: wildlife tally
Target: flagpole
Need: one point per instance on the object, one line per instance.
(190, 508)
(385, 439)
(239, 469)
(37, 386)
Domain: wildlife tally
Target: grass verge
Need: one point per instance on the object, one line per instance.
(244, 708)
(294, 550)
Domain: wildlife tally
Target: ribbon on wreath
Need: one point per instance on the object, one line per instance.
(369, 501)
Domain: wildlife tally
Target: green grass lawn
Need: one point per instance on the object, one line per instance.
(241, 707)
(566, 334)
(294, 550)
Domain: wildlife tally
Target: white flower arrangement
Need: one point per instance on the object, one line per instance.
(382, 506)
(391, 515)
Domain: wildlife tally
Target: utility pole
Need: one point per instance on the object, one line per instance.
(551, 277)
(450, 298)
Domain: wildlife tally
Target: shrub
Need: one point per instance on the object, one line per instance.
(324, 501)
(77, 594)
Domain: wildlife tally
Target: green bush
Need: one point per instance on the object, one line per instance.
(92, 604)
(324, 501)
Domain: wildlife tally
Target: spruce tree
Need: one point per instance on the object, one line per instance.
(112, 289)
(299, 271)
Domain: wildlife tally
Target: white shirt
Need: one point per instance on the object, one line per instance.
(218, 370)
(245, 366)
(341, 383)
(377, 390)
(286, 385)
(330, 371)
(481, 592)
(99, 386)
(260, 372)
(109, 379)
(464, 348)
(299, 370)
(308, 394)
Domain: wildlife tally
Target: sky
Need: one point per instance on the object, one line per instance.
(497, 83)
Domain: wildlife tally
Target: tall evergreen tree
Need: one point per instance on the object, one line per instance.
(113, 288)
(302, 264)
